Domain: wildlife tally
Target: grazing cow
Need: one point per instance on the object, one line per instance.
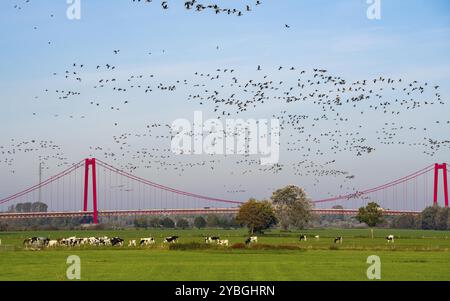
(146, 241)
(52, 243)
(317, 237)
(93, 241)
(303, 237)
(390, 238)
(105, 241)
(27, 242)
(117, 241)
(132, 243)
(338, 239)
(223, 242)
(210, 239)
(36, 242)
(43, 241)
(63, 242)
(70, 241)
(171, 239)
(251, 239)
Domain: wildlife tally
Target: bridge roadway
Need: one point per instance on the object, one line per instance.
(187, 211)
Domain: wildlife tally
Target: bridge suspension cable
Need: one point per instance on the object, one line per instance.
(116, 190)
(380, 187)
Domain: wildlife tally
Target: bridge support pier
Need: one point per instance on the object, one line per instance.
(87, 163)
(438, 167)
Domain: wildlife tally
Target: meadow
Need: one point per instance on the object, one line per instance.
(415, 255)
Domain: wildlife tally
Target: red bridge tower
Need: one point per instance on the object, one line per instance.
(438, 167)
(87, 163)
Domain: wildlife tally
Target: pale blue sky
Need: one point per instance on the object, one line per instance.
(411, 41)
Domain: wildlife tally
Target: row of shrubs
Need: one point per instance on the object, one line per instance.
(237, 246)
(241, 246)
(203, 246)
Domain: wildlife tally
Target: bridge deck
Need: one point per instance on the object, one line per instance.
(186, 211)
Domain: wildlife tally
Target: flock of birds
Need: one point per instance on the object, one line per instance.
(200, 6)
(194, 5)
(323, 134)
(322, 115)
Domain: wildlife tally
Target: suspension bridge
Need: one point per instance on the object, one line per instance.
(97, 189)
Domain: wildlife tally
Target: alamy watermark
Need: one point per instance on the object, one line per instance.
(73, 271)
(374, 270)
(374, 10)
(73, 11)
(236, 136)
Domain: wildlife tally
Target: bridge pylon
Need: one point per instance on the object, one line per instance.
(87, 163)
(442, 167)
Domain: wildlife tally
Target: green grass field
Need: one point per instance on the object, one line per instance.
(415, 255)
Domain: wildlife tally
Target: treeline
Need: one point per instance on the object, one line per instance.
(28, 207)
(431, 218)
(211, 221)
(288, 208)
(45, 223)
(225, 221)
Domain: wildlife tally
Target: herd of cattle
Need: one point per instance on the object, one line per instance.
(41, 242)
(338, 239)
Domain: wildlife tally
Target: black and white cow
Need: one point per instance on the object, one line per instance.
(303, 237)
(210, 239)
(390, 238)
(69, 242)
(223, 242)
(93, 241)
(117, 241)
(171, 239)
(44, 240)
(146, 241)
(36, 242)
(52, 243)
(338, 239)
(251, 239)
(104, 241)
(28, 241)
(77, 241)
